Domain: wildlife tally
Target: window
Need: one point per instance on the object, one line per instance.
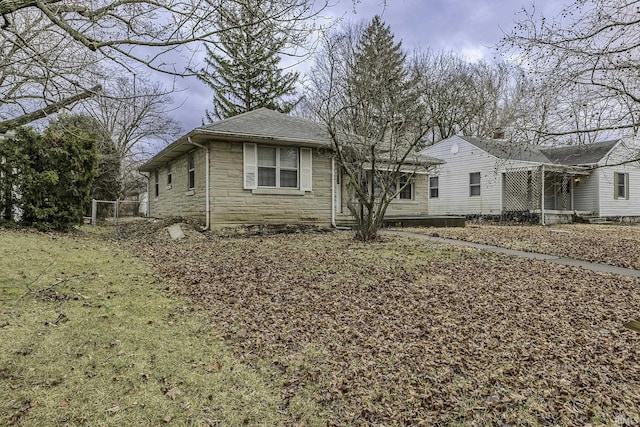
(406, 193)
(433, 187)
(621, 185)
(192, 170)
(169, 177)
(396, 189)
(157, 183)
(278, 167)
(474, 184)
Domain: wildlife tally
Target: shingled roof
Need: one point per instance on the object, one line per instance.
(582, 154)
(266, 123)
(508, 150)
(567, 155)
(261, 125)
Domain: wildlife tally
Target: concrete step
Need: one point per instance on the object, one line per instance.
(595, 220)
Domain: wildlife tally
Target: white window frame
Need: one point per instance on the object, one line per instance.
(157, 183)
(473, 185)
(410, 186)
(395, 188)
(169, 176)
(621, 185)
(278, 167)
(437, 187)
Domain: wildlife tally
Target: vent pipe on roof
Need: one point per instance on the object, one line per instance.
(206, 182)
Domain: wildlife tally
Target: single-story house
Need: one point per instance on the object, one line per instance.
(496, 177)
(259, 167)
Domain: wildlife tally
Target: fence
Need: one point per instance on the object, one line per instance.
(114, 210)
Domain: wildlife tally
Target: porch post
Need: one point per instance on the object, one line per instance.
(94, 211)
(571, 179)
(501, 176)
(542, 198)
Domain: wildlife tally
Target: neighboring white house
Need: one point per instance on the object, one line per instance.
(495, 177)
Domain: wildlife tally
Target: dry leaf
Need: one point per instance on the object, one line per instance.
(173, 393)
(407, 332)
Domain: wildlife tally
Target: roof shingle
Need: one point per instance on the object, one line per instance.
(568, 155)
(267, 123)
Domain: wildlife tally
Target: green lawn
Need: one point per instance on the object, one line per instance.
(88, 337)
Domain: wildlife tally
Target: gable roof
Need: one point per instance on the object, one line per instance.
(508, 150)
(568, 155)
(261, 125)
(582, 154)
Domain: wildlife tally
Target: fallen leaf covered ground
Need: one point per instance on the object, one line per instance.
(603, 243)
(406, 332)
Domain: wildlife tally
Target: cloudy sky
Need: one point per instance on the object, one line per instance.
(468, 27)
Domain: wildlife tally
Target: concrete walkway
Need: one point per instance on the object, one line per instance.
(603, 268)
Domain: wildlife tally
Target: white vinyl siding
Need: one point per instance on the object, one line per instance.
(585, 193)
(453, 178)
(609, 185)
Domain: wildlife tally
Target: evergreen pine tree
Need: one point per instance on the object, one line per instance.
(243, 69)
(379, 87)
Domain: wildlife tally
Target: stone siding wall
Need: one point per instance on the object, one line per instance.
(231, 204)
(176, 199)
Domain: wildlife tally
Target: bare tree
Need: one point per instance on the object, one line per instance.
(591, 50)
(475, 99)
(41, 70)
(448, 85)
(368, 98)
(49, 45)
(134, 115)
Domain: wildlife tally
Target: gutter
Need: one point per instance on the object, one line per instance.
(148, 209)
(206, 180)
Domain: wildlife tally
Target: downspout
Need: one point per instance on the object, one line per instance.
(333, 191)
(148, 209)
(542, 197)
(206, 183)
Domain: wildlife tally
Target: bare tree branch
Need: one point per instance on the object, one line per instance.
(49, 109)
